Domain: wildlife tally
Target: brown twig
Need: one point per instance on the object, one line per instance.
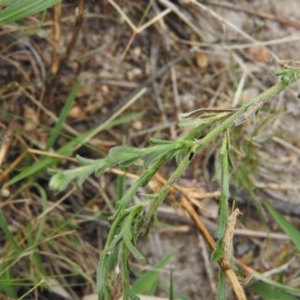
(55, 63)
(230, 274)
(56, 58)
(77, 27)
(6, 137)
(12, 166)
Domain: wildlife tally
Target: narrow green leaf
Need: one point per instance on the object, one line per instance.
(168, 152)
(120, 186)
(127, 162)
(127, 291)
(8, 2)
(127, 232)
(223, 211)
(283, 287)
(46, 162)
(44, 200)
(286, 226)
(221, 292)
(192, 123)
(30, 290)
(154, 141)
(178, 156)
(142, 181)
(61, 179)
(194, 133)
(120, 154)
(7, 286)
(115, 242)
(86, 161)
(35, 256)
(128, 294)
(266, 291)
(10, 236)
(125, 120)
(67, 150)
(217, 254)
(22, 9)
(178, 295)
(217, 174)
(141, 286)
(41, 165)
(222, 217)
(152, 157)
(101, 273)
(63, 116)
(132, 248)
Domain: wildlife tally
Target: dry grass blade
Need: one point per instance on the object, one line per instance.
(228, 239)
(77, 27)
(6, 136)
(56, 39)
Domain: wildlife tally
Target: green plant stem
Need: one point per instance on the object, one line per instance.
(271, 92)
(221, 292)
(142, 181)
(276, 89)
(207, 139)
(127, 292)
(165, 189)
(223, 212)
(101, 272)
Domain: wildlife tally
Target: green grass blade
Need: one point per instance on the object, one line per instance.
(221, 292)
(37, 264)
(63, 116)
(275, 284)
(31, 290)
(5, 275)
(120, 187)
(267, 292)
(22, 9)
(11, 238)
(178, 295)
(8, 2)
(181, 296)
(47, 162)
(149, 280)
(286, 226)
(6, 284)
(67, 150)
(125, 119)
(44, 201)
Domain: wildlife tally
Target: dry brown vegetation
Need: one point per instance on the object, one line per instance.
(137, 76)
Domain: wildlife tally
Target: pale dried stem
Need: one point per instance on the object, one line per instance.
(229, 272)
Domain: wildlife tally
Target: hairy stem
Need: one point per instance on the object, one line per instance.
(271, 92)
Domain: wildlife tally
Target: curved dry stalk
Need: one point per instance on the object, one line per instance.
(229, 272)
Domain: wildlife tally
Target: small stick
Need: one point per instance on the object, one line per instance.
(229, 272)
(78, 23)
